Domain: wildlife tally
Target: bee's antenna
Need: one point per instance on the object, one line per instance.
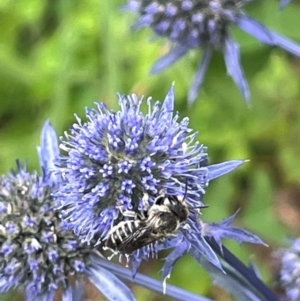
(201, 207)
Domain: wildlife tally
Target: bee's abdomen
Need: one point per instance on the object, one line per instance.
(121, 232)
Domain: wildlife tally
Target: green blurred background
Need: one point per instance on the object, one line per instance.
(59, 56)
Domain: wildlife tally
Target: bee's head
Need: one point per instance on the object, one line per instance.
(181, 208)
(176, 204)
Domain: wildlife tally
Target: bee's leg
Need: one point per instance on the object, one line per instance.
(126, 213)
(170, 235)
(114, 252)
(186, 226)
(145, 206)
(129, 213)
(105, 248)
(127, 260)
(112, 255)
(145, 201)
(165, 284)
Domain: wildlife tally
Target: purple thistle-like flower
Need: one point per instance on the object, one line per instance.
(37, 253)
(28, 260)
(290, 272)
(205, 24)
(115, 158)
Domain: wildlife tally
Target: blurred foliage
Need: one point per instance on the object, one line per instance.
(59, 56)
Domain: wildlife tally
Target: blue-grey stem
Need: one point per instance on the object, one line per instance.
(153, 284)
(246, 272)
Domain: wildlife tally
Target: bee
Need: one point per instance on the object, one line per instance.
(161, 220)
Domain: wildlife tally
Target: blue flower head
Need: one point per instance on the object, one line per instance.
(115, 158)
(37, 254)
(290, 272)
(205, 24)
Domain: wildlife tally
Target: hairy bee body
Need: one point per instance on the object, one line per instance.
(161, 220)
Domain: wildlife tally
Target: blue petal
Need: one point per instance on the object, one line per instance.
(78, 291)
(220, 169)
(266, 35)
(223, 230)
(255, 269)
(168, 105)
(205, 250)
(174, 55)
(238, 234)
(284, 3)
(199, 77)
(49, 150)
(256, 29)
(234, 67)
(286, 44)
(242, 235)
(135, 264)
(131, 6)
(228, 221)
(200, 247)
(68, 294)
(171, 259)
(109, 285)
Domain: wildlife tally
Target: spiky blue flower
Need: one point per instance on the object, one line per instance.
(37, 254)
(114, 158)
(205, 24)
(290, 271)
